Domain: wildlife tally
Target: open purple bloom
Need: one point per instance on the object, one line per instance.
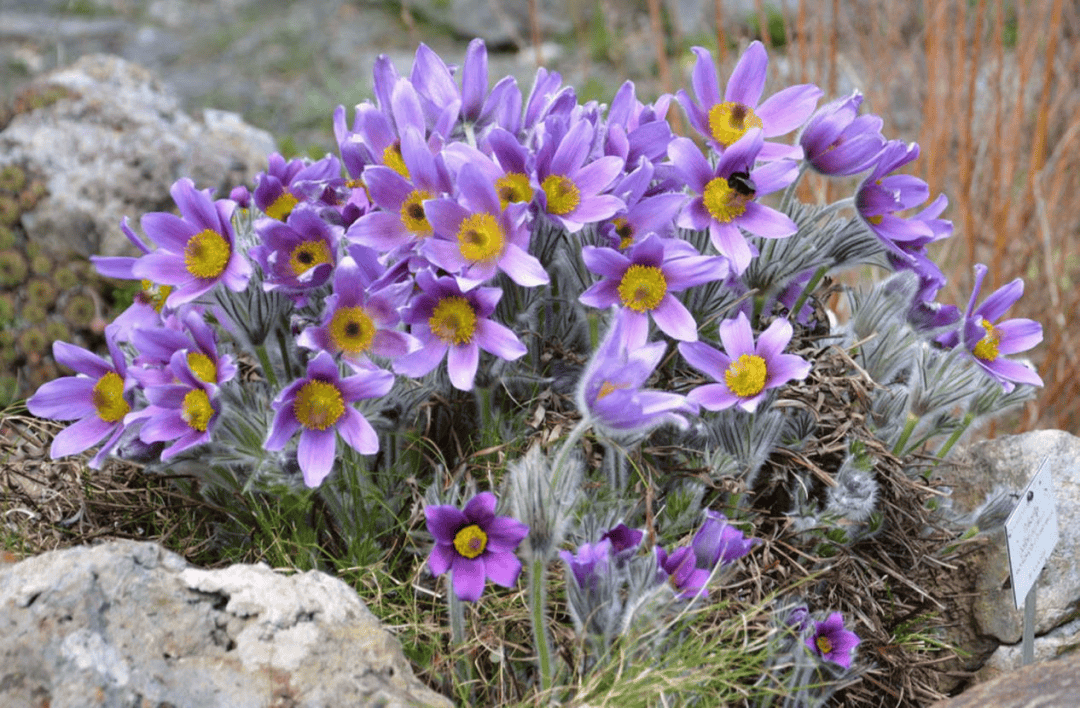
(474, 545)
(455, 324)
(838, 141)
(987, 339)
(832, 642)
(187, 332)
(680, 570)
(719, 542)
(183, 412)
(196, 250)
(358, 319)
(569, 189)
(642, 282)
(723, 122)
(724, 196)
(298, 254)
(475, 236)
(745, 370)
(97, 397)
(610, 389)
(288, 183)
(590, 560)
(318, 406)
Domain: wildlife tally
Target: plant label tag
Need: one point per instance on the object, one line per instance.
(1031, 532)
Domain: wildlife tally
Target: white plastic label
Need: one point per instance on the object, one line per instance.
(1031, 532)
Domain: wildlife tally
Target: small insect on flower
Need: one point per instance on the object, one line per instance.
(742, 184)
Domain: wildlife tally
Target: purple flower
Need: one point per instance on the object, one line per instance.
(635, 130)
(643, 281)
(679, 569)
(725, 122)
(189, 333)
(987, 339)
(476, 237)
(97, 397)
(624, 540)
(474, 545)
(590, 560)
(838, 141)
(184, 412)
(724, 200)
(286, 184)
(881, 196)
(798, 619)
(569, 189)
(719, 542)
(318, 406)
(298, 255)
(747, 370)
(359, 320)
(832, 642)
(610, 388)
(196, 250)
(456, 324)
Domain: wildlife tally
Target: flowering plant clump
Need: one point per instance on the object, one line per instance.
(634, 323)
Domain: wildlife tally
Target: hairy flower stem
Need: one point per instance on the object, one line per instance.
(818, 275)
(968, 420)
(268, 370)
(909, 427)
(457, 634)
(789, 193)
(537, 602)
(571, 441)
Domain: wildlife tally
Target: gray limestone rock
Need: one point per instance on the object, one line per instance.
(1050, 684)
(109, 143)
(127, 623)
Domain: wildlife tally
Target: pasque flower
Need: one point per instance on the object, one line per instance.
(318, 406)
(987, 339)
(725, 121)
(196, 250)
(570, 186)
(717, 541)
(832, 642)
(679, 569)
(97, 398)
(838, 141)
(745, 370)
(297, 254)
(588, 562)
(474, 544)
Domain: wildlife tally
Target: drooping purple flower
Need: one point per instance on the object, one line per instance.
(359, 319)
(987, 339)
(680, 570)
(588, 562)
(196, 250)
(474, 545)
(456, 324)
(881, 196)
(798, 619)
(724, 196)
(838, 141)
(475, 236)
(642, 282)
(97, 398)
(636, 131)
(318, 406)
(745, 371)
(183, 412)
(569, 185)
(717, 541)
(298, 254)
(624, 540)
(610, 389)
(832, 642)
(724, 122)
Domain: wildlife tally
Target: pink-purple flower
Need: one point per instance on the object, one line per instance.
(570, 187)
(679, 569)
(832, 642)
(475, 545)
(297, 254)
(319, 407)
(838, 141)
(745, 371)
(717, 541)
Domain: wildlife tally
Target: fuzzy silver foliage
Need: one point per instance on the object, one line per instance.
(543, 500)
(879, 326)
(855, 495)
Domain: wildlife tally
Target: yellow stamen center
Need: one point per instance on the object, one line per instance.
(202, 366)
(392, 158)
(307, 255)
(722, 202)
(824, 645)
(563, 195)
(470, 541)
(206, 254)
(625, 231)
(730, 121)
(412, 212)
(480, 238)
(108, 398)
(282, 206)
(156, 294)
(746, 375)
(196, 409)
(352, 330)
(607, 388)
(876, 220)
(318, 405)
(453, 320)
(987, 347)
(513, 187)
(642, 287)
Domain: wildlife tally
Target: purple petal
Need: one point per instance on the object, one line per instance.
(713, 397)
(1018, 335)
(502, 568)
(162, 267)
(572, 150)
(480, 510)
(748, 78)
(772, 341)
(498, 340)
(737, 336)
(468, 578)
(421, 361)
(674, 320)
(441, 558)
(461, 363)
(315, 453)
(79, 436)
(729, 241)
(1000, 300)
(602, 294)
(505, 533)
(357, 432)
(65, 398)
(168, 231)
(598, 175)
(444, 521)
(687, 158)
(787, 367)
(764, 221)
(706, 359)
(786, 110)
(523, 268)
(1012, 371)
(703, 79)
(605, 261)
(371, 384)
